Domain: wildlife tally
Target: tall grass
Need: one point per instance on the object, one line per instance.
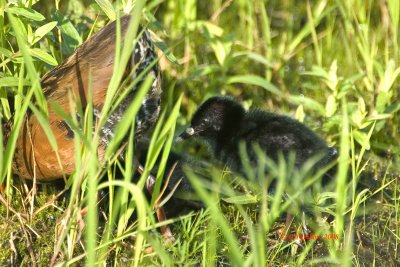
(332, 64)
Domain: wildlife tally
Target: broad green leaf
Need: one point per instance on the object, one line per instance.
(107, 8)
(242, 199)
(219, 51)
(300, 113)
(254, 56)
(308, 103)
(5, 52)
(362, 138)
(389, 77)
(11, 81)
(316, 71)
(212, 28)
(383, 99)
(333, 78)
(357, 118)
(45, 57)
(331, 106)
(361, 105)
(70, 36)
(255, 80)
(43, 30)
(393, 107)
(376, 117)
(26, 12)
(21, 28)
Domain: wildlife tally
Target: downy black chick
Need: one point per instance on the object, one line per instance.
(223, 123)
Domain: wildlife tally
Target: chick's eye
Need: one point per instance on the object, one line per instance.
(205, 121)
(202, 123)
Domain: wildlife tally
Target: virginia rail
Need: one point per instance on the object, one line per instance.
(95, 57)
(223, 123)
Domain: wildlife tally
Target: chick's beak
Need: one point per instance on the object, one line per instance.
(185, 135)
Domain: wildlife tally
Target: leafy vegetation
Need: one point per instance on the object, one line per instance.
(333, 65)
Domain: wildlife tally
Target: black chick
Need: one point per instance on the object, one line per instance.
(223, 123)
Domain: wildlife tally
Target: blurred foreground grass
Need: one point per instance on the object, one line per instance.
(333, 65)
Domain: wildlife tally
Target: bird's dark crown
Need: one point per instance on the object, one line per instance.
(217, 114)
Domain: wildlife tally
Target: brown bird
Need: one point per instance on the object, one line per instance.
(34, 156)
